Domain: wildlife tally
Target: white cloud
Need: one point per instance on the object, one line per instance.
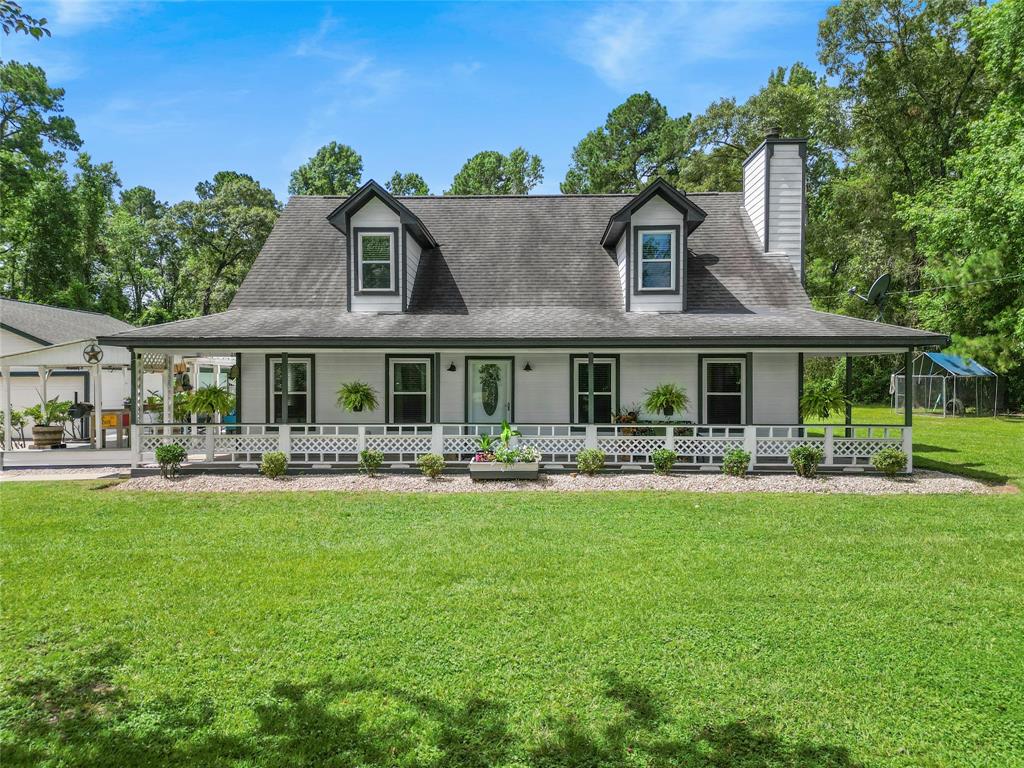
(628, 45)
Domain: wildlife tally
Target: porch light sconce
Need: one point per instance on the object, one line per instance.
(451, 367)
(527, 367)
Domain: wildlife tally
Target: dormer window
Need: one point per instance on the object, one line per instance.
(657, 259)
(376, 260)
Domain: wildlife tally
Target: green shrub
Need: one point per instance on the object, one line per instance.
(170, 457)
(274, 464)
(890, 461)
(590, 461)
(736, 462)
(370, 461)
(431, 465)
(805, 459)
(663, 459)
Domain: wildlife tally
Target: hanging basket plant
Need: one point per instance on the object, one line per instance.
(666, 399)
(357, 395)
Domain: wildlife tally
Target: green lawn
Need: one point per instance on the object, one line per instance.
(647, 629)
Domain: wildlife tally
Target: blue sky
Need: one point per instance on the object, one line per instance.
(173, 92)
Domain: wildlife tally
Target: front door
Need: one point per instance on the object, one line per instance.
(489, 390)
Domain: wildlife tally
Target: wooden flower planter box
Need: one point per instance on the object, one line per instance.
(496, 470)
(47, 436)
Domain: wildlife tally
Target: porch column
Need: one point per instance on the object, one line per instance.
(283, 415)
(908, 388)
(6, 370)
(848, 389)
(590, 388)
(168, 393)
(799, 387)
(97, 411)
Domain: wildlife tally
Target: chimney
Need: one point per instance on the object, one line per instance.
(774, 196)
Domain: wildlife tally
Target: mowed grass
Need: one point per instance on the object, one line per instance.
(510, 630)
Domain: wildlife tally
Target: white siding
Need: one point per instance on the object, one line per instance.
(620, 257)
(776, 387)
(655, 213)
(10, 343)
(785, 207)
(375, 214)
(641, 371)
(753, 192)
(254, 387)
(336, 368)
(542, 395)
(412, 263)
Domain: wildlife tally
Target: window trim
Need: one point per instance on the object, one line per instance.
(745, 384)
(574, 393)
(389, 361)
(676, 233)
(269, 386)
(393, 234)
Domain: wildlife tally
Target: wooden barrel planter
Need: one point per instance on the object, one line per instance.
(47, 437)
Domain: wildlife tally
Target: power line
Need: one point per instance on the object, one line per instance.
(935, 288)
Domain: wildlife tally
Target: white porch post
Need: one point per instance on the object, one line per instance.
(168, 392)
(908, 447)
(591, 439)
(360, 438)
(6, 370)
(437, 439)
(97, 411)
(750, 444)
(284, 439)
(829, 445)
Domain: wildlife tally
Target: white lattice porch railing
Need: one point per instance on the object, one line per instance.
(695, 446)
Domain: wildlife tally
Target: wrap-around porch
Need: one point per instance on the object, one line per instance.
(561, 401)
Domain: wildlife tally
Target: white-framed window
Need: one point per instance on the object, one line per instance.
(656, 262)
(300, 390)
(605, 395)
(724, 391)
(376, 262)
(409, 390)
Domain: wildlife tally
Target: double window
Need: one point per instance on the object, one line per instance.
(605, 389)
(409, 390)
(656, 259)
(376, 260)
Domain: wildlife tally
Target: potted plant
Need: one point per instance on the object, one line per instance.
(48, 421)
(356, 395)
(821, 399)
(207, 401)
(666, 399)
(500, 459)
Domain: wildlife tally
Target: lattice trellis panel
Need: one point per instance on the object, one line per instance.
(154, 362)
(854, 448)
(630, 446)
(780, 446)
(404, 444)
(555, 445)
(245, 443)
(324, 444)
(461, 444)
(706, 446)
(188, 442)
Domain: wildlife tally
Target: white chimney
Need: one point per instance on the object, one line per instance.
(774, 196)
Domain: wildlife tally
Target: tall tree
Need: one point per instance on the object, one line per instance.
(492, 173)
(970, 226)
(406, 184)
(14, 19)
(335, 169)
(638, 143)
(220, 234)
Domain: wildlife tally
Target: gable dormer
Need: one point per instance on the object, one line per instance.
(383, 243)
(649, 236)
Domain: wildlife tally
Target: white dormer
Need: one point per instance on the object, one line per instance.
(649, 236)
(774, 196)
(384, 241)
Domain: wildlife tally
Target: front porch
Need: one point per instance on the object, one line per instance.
(562, 401)
(626, 446)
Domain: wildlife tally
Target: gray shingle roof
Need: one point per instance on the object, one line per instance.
(511, 326)
(56, 325)
(514, 270)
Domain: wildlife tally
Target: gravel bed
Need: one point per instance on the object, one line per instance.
(921, 482)
(62, 473)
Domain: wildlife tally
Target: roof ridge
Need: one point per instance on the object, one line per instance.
(543, 196)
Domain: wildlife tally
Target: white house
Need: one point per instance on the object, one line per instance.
(555, 312)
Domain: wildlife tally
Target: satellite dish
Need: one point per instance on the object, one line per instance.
(876, 294)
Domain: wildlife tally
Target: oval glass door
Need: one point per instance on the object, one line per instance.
(490, 390)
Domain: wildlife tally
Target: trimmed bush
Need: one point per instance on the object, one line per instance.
(170, 457)
(370, 461)
(890, 461)
(663, 459)
(736, 462)
(274, 464)
(431, 465)
(590, 461)
(805, 459)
